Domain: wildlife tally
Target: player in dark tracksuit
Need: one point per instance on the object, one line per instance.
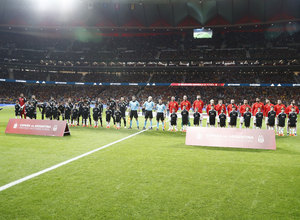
(80, 110)
(111, 104)
(68, 111)
(271, 119)
(258, 119)
(233, 117)
(75, 113)
(173, 117)
(96, 111)
(197, 118)
(185, 118)
(108, 113)
(55, 113)
(293, 122)
(48, 111)
(212, 114)
(222, 119)
(85, 114)
(88, 103)
(281, 122)
(123, 106)
(34, 103)
(247, 118)
(17, 109)
(61, 109)
(100, 106)
(118, 116)
(42, 108)
(30, 111)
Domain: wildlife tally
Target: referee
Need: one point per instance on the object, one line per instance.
(148, 105)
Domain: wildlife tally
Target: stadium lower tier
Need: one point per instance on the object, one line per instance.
(9, 92)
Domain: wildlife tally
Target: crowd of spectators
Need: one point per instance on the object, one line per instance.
(10, 92)
(159, 77)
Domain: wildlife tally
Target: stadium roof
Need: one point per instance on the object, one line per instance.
(146, 13)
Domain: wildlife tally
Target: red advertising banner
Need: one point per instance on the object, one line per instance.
(231, 137)
(37, 127)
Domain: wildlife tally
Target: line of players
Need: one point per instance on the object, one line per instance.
(274, 115)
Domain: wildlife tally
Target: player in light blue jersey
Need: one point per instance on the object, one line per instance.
(134, 107)
(160, 114)
(149, 106)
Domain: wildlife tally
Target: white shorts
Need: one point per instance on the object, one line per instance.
(241, 120)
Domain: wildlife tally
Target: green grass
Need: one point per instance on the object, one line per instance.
(153, 175)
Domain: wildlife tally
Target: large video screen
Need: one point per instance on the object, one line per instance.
(202, 33)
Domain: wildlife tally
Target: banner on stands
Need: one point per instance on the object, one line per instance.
(151, 84)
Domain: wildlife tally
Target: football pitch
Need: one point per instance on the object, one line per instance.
(152, 175)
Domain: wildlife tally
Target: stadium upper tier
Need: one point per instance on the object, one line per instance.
(225, 49)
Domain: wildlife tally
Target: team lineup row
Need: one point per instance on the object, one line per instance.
(274, 115)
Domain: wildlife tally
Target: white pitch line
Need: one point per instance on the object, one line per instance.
(64, 163)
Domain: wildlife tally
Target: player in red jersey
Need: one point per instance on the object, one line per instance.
(172, 105)
(287, 111)
(267, 108)
(277, 109)
(289, 108)
(242, 111)
(187, 105)
(22, 102)
(229, 107)
(198, 104)
(220, 106)
(208, 108)
(256, 105)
